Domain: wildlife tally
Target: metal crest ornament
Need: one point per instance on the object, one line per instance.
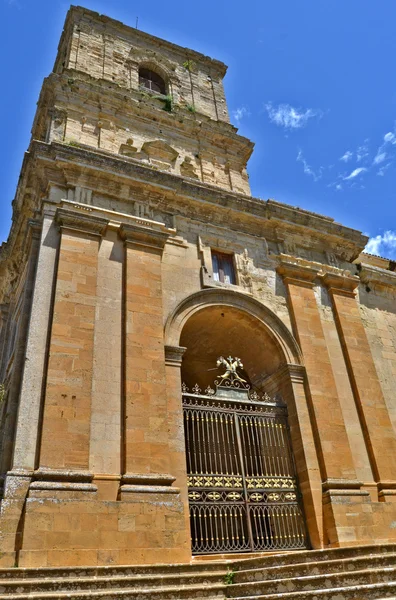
(231, 378)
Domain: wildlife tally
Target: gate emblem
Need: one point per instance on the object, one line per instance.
(231, 378)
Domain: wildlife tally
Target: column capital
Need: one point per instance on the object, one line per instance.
(174, 355)
(82, 222)
(297, 274)
(341, 284)
(139, 235)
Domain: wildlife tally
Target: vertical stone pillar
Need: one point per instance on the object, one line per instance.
(375, 421)
(146, 438)
(105, 446)
(22, 309)
(28, 417)
(177, 445)
(339, 483)
(146, 489)
(334, 451)
(67, 407)
(27, 431)
(290, 382)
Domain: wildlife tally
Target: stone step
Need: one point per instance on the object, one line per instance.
(374, 591)
(302, 556)
(25, 586)
(189, 592)
(315, 568)
(110, 571)
(313, 582)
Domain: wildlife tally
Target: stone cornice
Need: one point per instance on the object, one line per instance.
(377, 278)
(139, 235)
(295, 273)
(341, 284)
(77, 221)
(174, 355)
(274, 214)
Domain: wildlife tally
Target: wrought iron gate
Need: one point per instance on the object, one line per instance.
(243, 493)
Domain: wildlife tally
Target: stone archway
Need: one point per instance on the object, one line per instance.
(273, 362)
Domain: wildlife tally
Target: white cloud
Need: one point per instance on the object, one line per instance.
(289, 117)
(347, 156)
(355, 173)
(383, 169)
(381, 156)
(362, 151)
(308, 170)
(390, 138)
(338, 186)
(383, 245)
(239, 113)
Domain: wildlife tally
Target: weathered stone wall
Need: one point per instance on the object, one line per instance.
(110, 51)
(378, 310)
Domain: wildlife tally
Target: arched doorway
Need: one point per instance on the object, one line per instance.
(242, 484)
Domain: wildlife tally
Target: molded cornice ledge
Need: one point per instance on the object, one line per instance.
(344, 285)
(297, 274)
(138, 235)
(174, 355)
(77, 221)
(376, 277)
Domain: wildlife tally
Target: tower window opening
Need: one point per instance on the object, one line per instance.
(223, 267)
(151, 81)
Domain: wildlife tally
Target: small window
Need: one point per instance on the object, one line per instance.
(151, 81)
(223, 267)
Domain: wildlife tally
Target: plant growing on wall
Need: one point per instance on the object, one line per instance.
(190, 66)
(167, 100)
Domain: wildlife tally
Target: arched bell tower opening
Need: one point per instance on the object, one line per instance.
(242, 483)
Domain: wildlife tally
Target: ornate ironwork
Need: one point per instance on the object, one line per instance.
(243, 492)
(231, 378)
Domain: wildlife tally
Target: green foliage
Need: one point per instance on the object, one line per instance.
(191, 108)
(189, 65)
(167, 100)
(73, 143)
(2, 392)
(229, 577)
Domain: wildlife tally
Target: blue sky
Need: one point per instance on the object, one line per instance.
(311, 83)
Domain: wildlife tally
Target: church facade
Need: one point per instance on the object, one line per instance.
(184, 368)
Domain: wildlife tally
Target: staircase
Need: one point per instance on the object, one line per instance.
(363, 573)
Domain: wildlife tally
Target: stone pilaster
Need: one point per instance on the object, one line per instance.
(106, 426)
(373, 413)
(146, 480)
(291, 382)
(67, 406)
(331, 438)
(339, 483)
(35, 322)
(177, 448)
(27, 430)
(145, 418)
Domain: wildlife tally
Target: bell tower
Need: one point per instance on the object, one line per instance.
(140, 98)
